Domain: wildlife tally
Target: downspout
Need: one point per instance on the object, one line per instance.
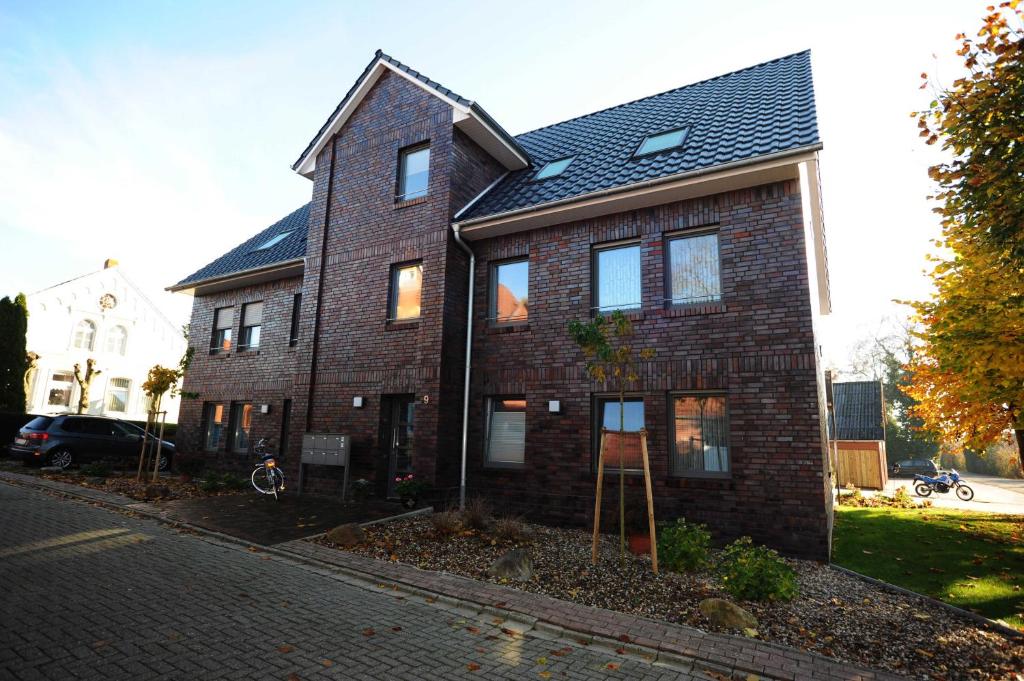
(320, 291)
(469, 354)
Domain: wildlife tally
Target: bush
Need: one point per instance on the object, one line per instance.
(478, 514)
(361, 489)
(96, 470)
(210, 483)
(512, 529)
(756, 573)
(446, 523)
(683, 546)
(901, 498)
(214, 482)
(189, 465)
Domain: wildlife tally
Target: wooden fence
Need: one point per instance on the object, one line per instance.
(861, 463)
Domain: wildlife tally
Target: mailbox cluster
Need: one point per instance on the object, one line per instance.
(325, 449)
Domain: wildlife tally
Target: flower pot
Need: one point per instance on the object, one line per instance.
(640, 544)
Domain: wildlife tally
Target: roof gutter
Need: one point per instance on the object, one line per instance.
(264, 269)
(623, 189)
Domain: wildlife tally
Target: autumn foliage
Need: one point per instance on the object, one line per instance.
(968, 374)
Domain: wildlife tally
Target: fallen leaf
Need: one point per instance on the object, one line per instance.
(293, 677)
(542, 660)
(285, 648)
(327, 663)
(936, 570)
(368, 632)
(544, 675)
(867, 552)
(509, 632)
(102, 643)
(925, 653)
(624, 638)
(612, 665)
(396, 628)
(972, 577)
(472, 666)
(473, 630)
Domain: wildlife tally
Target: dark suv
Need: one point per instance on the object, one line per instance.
(69, 438)
(911, 467)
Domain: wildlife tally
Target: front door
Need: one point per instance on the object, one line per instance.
(398, 417)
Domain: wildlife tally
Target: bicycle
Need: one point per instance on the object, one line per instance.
(267, 478)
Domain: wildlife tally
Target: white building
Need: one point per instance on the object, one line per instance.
(103, 316)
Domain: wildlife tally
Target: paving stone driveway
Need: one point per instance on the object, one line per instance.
(93, 594)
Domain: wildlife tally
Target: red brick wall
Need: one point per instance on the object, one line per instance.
(757, 347)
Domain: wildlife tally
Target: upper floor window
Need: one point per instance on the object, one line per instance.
(85, 335)
(694, 275)
(510, 292)
(406, 287)
(117, 394)
(553, 168)
(413, 172)
(506, 430)
(652, 144)
(252, 321)
(700, 435)
(293, 334)
(617, 278)
(117, 340)
(223, 321)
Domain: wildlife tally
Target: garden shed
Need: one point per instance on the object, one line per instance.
(857, 434)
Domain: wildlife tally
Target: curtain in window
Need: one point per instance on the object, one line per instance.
(407, 286)
(117, 338)
(506, 431)
(618, 278)
(701, 434)
(117, 394)
(60, 389)
(694, 263)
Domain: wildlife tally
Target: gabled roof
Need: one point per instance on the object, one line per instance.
(859, 410)
(758, 111)
(466, 114)
(245, 257)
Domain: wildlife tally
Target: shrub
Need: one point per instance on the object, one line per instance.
(189, 465)
(96, 470)
(361, 489)
(756, 573)
(234, 481)
(683, 546)
(512, 529)
(478, 514)
(211, 483)
(214, 482)
(446, 523)
(853, 497)
(901, 498)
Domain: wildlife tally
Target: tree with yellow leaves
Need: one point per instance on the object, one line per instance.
(968, 375)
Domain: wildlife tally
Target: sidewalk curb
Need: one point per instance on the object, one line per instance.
(980, 619)
(693, 660)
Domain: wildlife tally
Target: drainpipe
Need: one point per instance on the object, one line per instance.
(469, 353)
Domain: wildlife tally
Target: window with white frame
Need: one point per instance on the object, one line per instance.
(117, 394)
(506, 430)
(252, 322)
(117, 340)
(85, 335)
(61, 383)
(700, 435)
(616, 271)
(693, 270)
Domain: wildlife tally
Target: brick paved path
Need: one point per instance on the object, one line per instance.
(94, 594)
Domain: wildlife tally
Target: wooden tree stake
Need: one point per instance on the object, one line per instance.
(597, 502)
(650, 501)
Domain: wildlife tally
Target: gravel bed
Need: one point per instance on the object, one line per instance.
(128, 486)
(835, 615)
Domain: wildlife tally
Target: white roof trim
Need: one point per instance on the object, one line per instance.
(462, 116)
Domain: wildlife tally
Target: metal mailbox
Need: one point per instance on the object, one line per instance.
(325, 449)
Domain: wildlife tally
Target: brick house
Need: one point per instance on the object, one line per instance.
(431, 231)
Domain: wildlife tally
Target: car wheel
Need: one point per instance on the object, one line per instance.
(61, 458)
(165, 462)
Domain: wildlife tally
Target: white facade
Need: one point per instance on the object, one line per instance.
(102, 316)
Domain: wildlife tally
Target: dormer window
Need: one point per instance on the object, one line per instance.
(413, 172)
(273, 241)
(652, 144)
(553, 168)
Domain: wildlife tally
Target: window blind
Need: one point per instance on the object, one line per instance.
(252, 314)
(225, 318)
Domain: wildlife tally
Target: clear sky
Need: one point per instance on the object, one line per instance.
(161, 133)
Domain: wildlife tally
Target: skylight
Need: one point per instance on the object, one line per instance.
(662, 141)
(553, 169)
(273, 241)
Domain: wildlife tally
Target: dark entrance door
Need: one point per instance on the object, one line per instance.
(397, 417)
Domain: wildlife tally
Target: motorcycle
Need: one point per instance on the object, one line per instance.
(924, 486)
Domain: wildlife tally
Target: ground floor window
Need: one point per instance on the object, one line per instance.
(117, 394)
(214, 418)
(627, 417)
(241, 426)
(506, 430)
(60, 389)
(700, 435)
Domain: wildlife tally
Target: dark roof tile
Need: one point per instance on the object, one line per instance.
(859, 410)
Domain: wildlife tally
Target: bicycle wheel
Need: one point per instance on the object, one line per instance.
(261, 482)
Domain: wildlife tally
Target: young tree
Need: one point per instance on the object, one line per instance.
(13, 359)
(84, 381)
(606, 345)
(968, 374)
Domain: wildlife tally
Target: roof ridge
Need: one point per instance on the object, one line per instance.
(665, 92)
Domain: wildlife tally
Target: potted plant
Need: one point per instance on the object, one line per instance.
(409, 490)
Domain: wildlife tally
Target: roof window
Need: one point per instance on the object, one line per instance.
(273, 241)
(652, 144)
(553, 168)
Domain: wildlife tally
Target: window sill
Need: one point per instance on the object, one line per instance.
(218, 353)
(635, 315)
(695, 309)
(724, 477)
(242, 352)
(504, 466)
(400, 324)
(500, 329)
(405, 203)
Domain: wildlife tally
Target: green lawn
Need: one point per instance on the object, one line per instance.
(972, 560)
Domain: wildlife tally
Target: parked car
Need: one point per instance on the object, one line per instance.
(908, 468)
(72, 439)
